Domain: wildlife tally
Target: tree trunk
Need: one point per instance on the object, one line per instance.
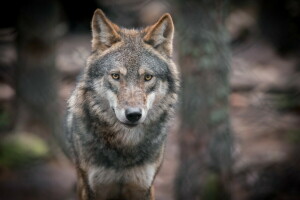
(205, 136)
(36, 75)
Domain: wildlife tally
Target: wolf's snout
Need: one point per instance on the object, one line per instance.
(133, 114)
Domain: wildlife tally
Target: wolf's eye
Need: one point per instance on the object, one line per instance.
(148, 77)
(115, 76)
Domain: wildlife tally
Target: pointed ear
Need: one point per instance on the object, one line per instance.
(104, 32)
(160, 35)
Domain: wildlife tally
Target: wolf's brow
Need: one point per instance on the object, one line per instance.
(121, 70)
(144, 70)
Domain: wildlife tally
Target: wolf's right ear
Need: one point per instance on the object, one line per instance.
(105, 33)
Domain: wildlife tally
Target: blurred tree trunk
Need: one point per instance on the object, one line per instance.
(36, 76)
(205, 136)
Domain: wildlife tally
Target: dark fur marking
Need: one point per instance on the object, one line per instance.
(110, 87)
(152, 88)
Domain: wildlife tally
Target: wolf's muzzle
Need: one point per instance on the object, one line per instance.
(133, 115)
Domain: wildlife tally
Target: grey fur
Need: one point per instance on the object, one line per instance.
(95, 135)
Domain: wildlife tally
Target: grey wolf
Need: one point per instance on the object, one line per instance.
(118, 114)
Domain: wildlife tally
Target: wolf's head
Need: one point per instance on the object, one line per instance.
(130, 74)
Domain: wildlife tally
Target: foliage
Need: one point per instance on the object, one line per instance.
(19, 149)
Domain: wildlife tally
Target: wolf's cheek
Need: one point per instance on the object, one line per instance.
(120, 114)
(113, 102)
(163, 88)
(160, 93)
(112, 99)
(150, 100)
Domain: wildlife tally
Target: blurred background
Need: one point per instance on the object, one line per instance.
(237, 132)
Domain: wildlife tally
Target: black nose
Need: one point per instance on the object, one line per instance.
(133, 114)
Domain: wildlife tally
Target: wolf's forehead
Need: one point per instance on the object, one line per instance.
(133, 59)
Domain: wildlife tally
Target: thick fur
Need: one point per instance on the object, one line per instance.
(115, 160)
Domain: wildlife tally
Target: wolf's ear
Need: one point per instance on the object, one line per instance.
(160, 35)
(104, 32)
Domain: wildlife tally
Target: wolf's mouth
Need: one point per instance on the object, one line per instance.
(130, 125)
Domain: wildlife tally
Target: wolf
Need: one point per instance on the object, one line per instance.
(120, 109)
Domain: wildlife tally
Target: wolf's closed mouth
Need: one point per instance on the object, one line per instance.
(130, 125)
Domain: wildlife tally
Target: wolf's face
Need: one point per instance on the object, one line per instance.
(131, 70)
(130, 93)
(132, 81)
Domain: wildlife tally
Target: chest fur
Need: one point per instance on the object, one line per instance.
(140, 175)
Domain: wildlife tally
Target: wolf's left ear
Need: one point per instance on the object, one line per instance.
(160, 35)
(105, 33)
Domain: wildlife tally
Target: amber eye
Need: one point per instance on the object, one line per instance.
(148, 77)
(115, 76)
